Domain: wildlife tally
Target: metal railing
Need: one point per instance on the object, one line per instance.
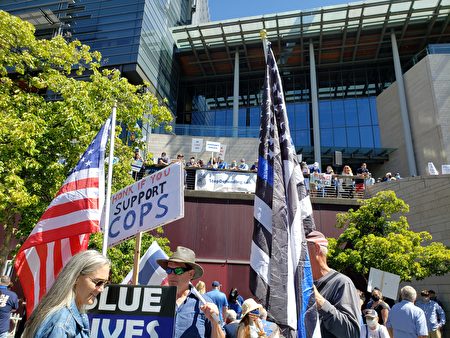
(319, 185)
(337, 186)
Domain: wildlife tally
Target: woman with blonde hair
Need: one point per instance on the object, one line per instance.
(61, 312)
(201, 287)
(251, 325)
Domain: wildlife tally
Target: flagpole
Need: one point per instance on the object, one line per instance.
(137, 258)
(263, 35)
(108, 187)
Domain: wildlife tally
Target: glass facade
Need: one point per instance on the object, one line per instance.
(347, 107)
(132, 35)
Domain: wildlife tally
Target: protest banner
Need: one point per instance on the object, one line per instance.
(153, 201)
(127, 311)
(225, 181)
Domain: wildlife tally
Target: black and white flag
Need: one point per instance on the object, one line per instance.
(280, 274)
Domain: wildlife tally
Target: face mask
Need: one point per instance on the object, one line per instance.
(371, 322)
(375, 298)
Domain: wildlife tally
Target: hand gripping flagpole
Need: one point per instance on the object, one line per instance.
(202, 301)
(108, 187)
(263, 35)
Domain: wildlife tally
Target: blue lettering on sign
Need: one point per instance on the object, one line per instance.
(162, 206)
(129, 220)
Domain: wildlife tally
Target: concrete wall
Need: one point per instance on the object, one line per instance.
(428, 198)
(428, 100)
(237, 148)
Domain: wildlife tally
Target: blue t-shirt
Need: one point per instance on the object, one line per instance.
(8, 302)
(190, 321)
(219, 299)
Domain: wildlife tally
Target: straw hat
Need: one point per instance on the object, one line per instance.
(249, 305)
(183, 255)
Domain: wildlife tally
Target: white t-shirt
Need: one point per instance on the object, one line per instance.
(380, 332)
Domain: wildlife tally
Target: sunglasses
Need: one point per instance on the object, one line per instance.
(99, 282)
(255, 312)
(178, 270)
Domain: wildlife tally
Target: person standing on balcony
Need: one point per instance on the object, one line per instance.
(222, 164)
(243, 165)
(347, 182)
(164, 159)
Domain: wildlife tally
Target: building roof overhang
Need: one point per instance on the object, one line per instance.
(354, 33)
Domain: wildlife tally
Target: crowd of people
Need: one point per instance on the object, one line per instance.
(342, 310)
(342, 186)
(346, 184)
(213, 163)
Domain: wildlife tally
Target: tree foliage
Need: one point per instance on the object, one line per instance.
(54, 97)
(377, 235)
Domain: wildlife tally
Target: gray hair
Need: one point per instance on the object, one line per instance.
(408, 293)
(230, 315)
(62, 292)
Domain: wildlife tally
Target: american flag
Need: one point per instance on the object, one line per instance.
(280, 274)
(64, 228)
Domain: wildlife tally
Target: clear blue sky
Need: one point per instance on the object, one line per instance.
(231, 9)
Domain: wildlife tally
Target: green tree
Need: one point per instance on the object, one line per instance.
(377, 235)
(48, 117)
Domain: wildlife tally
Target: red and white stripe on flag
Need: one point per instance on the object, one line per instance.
(64, 228)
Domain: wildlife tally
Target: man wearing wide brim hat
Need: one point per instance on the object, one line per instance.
(192, 318)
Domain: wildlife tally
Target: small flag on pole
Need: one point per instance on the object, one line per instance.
(150, 273)
(280, 274)
(64, 228)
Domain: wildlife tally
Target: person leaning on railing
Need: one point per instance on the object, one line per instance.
(347, 182)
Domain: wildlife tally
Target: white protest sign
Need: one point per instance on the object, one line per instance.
(445, 169)
(385, 281)
(153, 201)
(197, 145)
(223, 150)
(137, 165)
(432, 169)
(213, 146)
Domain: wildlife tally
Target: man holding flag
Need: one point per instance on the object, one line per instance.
(280, 275)
(64, 228)
(336, 297)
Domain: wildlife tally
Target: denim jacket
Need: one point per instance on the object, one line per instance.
(66, 322)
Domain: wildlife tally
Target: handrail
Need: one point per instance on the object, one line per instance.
(319, 185)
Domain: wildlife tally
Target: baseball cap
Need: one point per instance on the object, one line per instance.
(317, 237)
(370, 313)
(215, 284)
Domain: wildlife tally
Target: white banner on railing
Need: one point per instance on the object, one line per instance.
(225, 181)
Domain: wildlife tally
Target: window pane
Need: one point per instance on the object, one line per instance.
(366, 137)
(353, 137)
(340, 137)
